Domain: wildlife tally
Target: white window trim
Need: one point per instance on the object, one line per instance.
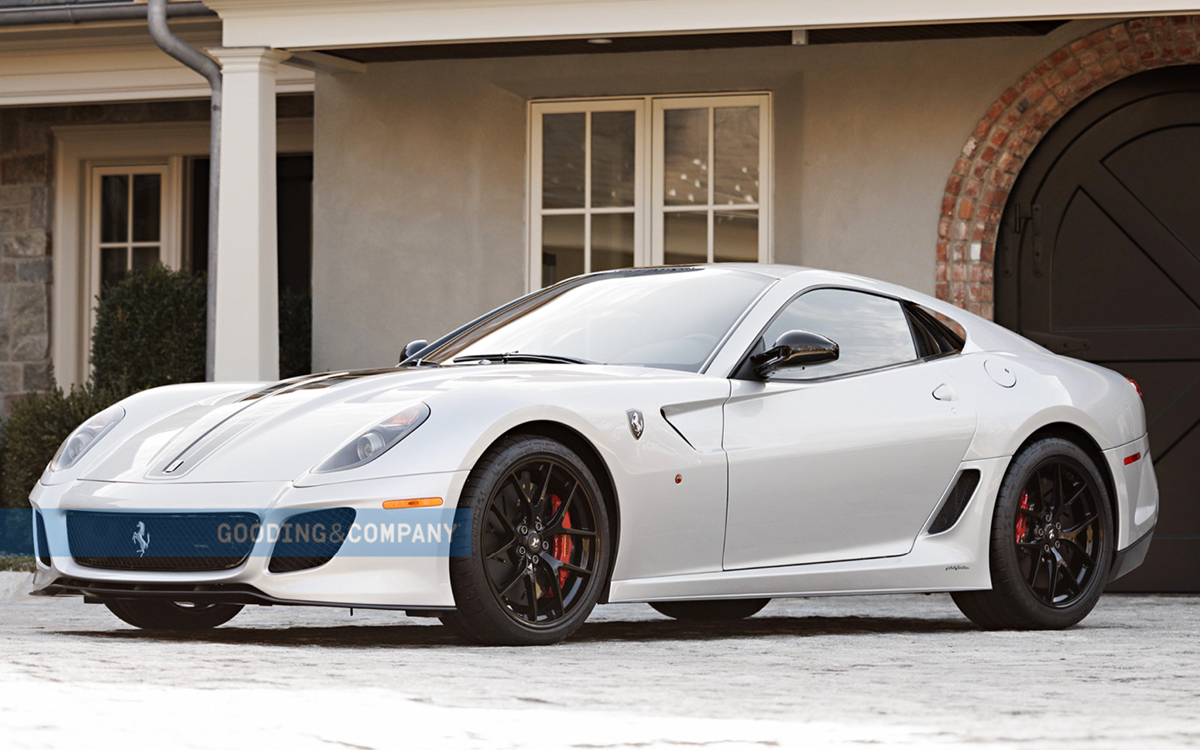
(648, 208)
(75, 146)
(640, 236)
(765, 189)
(170, 213)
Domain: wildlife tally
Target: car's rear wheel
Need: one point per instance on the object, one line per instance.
(158, 615)
(540, 545)
(1051, 542)
(711, 610)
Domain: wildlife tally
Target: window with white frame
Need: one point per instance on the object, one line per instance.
(133, 221)
(626, 182)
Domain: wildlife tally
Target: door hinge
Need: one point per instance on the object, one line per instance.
(1026, 215)
(1028, 218)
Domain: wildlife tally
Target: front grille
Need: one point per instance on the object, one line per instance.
(172, 542)
(308, 540)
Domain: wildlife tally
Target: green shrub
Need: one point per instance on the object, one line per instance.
(150, 331)
(37, 426)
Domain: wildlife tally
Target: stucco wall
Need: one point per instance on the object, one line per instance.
(420, 168)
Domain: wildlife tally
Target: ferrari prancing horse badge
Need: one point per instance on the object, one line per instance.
(637, 423)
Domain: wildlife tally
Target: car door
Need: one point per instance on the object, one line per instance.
(842, 460)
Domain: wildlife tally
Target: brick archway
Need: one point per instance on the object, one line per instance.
(987, 168)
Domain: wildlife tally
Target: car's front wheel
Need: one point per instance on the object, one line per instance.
(1051, 543)
(158, 615)
(540, 545)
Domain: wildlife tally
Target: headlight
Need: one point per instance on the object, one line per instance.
(376, 441)
(84, 437)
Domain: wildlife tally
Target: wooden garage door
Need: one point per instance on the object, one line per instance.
(1100, 259)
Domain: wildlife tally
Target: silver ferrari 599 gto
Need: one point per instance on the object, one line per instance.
(700, 438)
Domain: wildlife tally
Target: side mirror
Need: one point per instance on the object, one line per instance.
(795, 349)
(412, 348)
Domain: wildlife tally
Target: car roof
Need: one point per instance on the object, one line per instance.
(774, 270)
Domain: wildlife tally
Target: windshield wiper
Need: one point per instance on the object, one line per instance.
(522, 357)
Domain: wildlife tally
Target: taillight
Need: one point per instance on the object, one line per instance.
(1136, 387)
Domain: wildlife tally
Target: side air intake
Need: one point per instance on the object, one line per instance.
(309, 540)
(43, 545)
(956, 503)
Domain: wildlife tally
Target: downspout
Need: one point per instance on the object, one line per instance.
(193, 58)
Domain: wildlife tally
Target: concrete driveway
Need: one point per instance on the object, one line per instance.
(898, 671)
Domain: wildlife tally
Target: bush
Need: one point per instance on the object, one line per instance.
(150, 331)
(37, 426)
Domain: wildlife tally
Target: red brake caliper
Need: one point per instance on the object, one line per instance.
(562, 543)
(1021, 520)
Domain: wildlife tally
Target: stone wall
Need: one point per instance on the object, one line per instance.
(26, 219)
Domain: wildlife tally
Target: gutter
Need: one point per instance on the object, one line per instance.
(76, 13)
(156, 15)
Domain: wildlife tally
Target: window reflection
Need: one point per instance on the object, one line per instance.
(669, 319)
(614, 143)
(685, 157)
(562, 247)
(870, 331)
(563, 158)
(735, 236)
(735, 136)
(612, 241)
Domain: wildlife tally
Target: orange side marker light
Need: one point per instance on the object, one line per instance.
(416, 502)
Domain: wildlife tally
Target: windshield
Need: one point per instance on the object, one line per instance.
(666, 317)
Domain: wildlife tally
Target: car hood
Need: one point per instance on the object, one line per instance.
(279, 432)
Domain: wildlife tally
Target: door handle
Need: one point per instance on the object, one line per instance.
(944, 393)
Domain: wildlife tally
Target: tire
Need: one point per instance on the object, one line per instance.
(716, 610)
(159, 615)
(526, 492)
(1072, 552)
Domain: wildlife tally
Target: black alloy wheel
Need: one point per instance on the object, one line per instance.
(1058, 531)
(540, 547)
(1051, 542)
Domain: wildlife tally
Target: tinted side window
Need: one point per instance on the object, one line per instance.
(870, 331)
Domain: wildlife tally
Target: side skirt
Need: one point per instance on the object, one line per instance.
(954, 560)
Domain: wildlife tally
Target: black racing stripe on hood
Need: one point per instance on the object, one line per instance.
(322, 380)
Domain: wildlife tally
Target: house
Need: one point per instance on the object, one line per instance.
(415, 163)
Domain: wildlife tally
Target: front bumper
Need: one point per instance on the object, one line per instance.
(388, 578)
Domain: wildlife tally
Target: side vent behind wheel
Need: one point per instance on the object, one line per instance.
(964, 488)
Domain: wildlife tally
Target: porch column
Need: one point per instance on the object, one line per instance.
(247, 327)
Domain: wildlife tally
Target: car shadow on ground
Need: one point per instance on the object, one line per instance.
(643, 631)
